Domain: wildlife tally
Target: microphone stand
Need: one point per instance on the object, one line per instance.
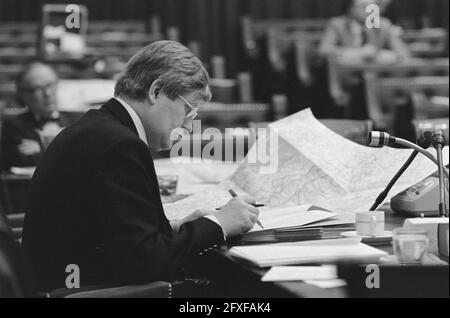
(438, 143)
(424, 143)
(385, 192)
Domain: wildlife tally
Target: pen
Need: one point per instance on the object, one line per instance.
(234, 194)
(255, 205)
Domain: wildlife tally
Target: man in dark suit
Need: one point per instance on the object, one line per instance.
(26, 136)
(95, 199)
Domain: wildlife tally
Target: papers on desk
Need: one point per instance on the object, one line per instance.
(290, 224)
(319, 167)
(289, 217)
(299, 273)
(202, 196)
(323, 251)
(321, 276)
(332, 283)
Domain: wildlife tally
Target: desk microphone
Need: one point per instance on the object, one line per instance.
(424, 142)
(438, 142)
(380, 139)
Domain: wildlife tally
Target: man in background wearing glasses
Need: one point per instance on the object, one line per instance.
(95, 200)
(26, 136)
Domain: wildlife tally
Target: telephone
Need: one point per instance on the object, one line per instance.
(420, 199)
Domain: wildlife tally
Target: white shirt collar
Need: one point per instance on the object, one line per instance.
(136, 120)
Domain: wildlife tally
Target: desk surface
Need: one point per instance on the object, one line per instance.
(241, 280)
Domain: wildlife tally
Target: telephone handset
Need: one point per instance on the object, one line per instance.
(420, 199)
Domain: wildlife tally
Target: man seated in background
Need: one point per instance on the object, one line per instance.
(26, 136)
(350, 38)
(94, 198)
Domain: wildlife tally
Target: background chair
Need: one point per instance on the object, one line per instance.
(426, 107)
(354, 130)
(427, 42)
(221, 115)
(435, 124)
(342, 75)
(397, 281)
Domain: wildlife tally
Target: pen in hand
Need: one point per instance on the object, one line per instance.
(234, 194)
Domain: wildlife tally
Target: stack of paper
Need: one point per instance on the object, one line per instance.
(291, 216)
(323, 251)
(300, 273)
(293, 223)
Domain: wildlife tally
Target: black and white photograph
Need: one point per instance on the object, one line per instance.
(222, 156)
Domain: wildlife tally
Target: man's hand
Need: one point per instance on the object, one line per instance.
(237, 216)
(191, 217)
(29, 147)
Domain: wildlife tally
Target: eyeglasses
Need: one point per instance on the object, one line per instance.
(190, 110)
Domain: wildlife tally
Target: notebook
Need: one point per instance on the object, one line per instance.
(320, 251)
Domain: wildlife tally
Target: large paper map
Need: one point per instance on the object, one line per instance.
(317, 166)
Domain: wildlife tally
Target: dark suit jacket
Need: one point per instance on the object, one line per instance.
(95, 202)
(17, 128)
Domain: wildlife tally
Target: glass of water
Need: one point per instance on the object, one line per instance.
(410, 245)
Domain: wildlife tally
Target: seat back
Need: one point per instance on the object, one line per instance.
(435, 124)
(354, 130)
(15, 276)
(221, 115)
(151, 290)
(384, 95)
(426, 107)
(427, 42)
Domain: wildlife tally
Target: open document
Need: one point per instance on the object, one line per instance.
(317, 166)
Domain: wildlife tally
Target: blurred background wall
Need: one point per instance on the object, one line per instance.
(215, 23)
